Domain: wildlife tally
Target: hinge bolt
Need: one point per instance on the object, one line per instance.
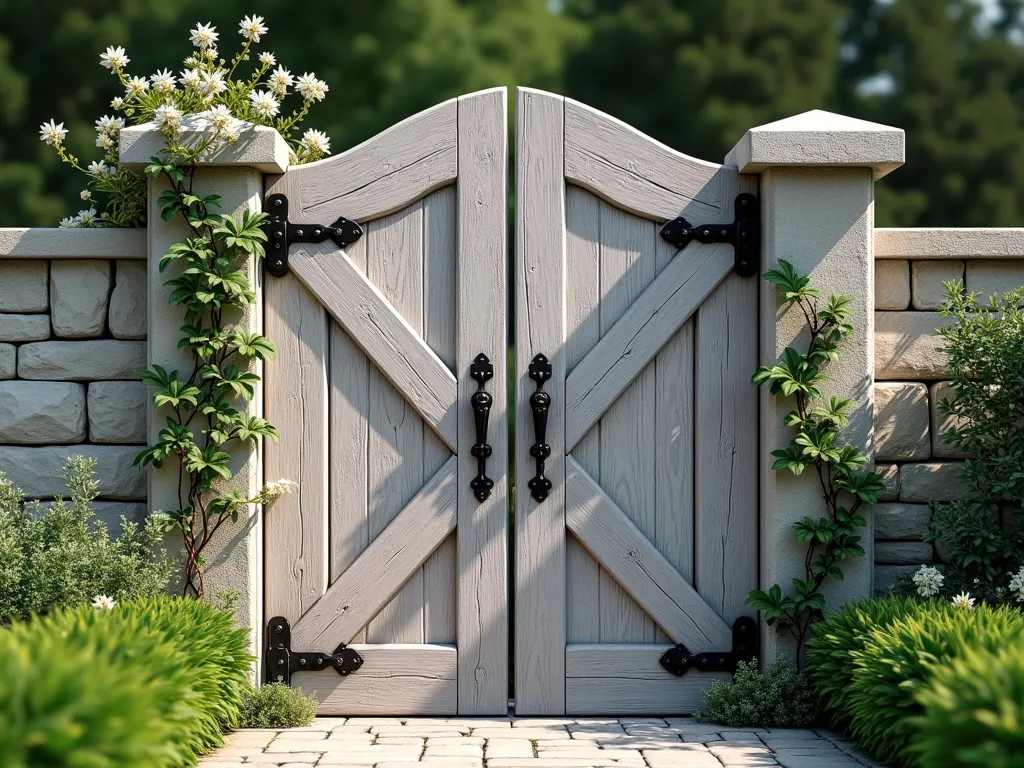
(279, 629)
(298, 232)
(277, 203)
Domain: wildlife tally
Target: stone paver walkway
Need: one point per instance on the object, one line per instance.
(640, 742)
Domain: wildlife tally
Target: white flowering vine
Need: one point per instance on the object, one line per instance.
(210, 99)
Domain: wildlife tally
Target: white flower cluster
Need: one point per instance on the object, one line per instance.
(108, 133)
(84, 219)
(928, 581)
(273, 490)
(1017, 584)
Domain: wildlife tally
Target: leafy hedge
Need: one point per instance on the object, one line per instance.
(151, 683)
(893, 671)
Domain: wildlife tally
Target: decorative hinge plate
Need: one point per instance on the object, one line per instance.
(282, 661)
(744, 648)
(282, 233)
(744, 234)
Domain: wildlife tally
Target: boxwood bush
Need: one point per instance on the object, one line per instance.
(151, 683)
(278, 706)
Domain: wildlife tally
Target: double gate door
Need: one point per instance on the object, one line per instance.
(635, 514)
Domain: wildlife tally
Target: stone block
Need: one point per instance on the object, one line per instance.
(41, 412)
(938, 392)
(24, 327)
(100, 360)
(23, 286)
(907, 346)
(927, 278)
(892, 284)
(38, 472)
(79, 292)
(990, 277)
(901, 421)
(891, 477)
(907, 522)
(903, 552)
(117, 412)
(931, 481)
(888, 577)
(127, 318)
(8, 361)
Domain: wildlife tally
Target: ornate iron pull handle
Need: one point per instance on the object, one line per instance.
(540, 404)
(481, 371)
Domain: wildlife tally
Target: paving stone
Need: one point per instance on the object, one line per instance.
(99, 360)
(23, 286)
(79, 292)
(127, 315)
(990, 276)
(117, 412)
(908, 347)
(901, 522)
(938, 392)
(24, 327)
(39, 471)
(455, 750)
(927, 278)
(891, 477)
(8, 361)
(892, 284)
(41, 412)
(931, 481)
(901, 421)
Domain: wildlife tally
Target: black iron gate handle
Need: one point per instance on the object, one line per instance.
(481, 371)
(540, 404)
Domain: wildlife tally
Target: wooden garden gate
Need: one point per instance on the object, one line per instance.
(636, 426)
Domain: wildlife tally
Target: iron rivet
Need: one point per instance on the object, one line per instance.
(298, 232)
(316, 233)
(279, 628)
(277, 202)
(280, 662)
(302, 662)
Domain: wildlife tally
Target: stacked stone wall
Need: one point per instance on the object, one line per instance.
(72, 345)
(919, 467)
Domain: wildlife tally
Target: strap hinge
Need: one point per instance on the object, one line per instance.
(744, 648)
(282, 661)
(282, 233)
(744, 234)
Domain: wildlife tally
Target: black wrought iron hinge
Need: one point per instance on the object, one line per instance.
(282, 233)
(744, 648)
(282, 661)
(744, 234)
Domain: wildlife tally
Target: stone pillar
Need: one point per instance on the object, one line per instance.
(234, 558)
(817, 172)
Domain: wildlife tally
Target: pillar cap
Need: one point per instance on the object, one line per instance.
(819, 138)
(258, 146)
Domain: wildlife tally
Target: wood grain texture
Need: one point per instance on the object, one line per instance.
(726, 448)
(380, 571)
(380, 176)
(640, 175)
(395, 679)
(641, 331)
(540, 528)
(377, 325)
(482, 529)
(626, 679)
(296, 533)
(619, 546)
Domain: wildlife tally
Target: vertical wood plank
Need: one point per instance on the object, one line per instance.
(726, 447)
(439, 310)
(540, 528)
(296, 535)
(482, 286)
(394, 253)
(349, 406)
(582, 332)
(627, 448)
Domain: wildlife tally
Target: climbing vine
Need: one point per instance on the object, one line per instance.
(815, 445)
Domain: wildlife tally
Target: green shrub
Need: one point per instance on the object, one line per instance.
(781, 697)
(150, 684)
(58, 558)
(973, 712)
(830, 659)
(277, 706)
(897, 663)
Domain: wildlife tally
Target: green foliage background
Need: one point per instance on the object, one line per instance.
(692, 73)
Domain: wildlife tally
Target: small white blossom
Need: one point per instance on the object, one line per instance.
(103, 603)
(213, 83)
(190, 78)
(107, 124)
(163, 80)
(67, 223)
(117, 102)
(97, 168)
(1017, 584)
(264, 103)
(114, 58)
(104, 141)
(316, 143)
(277, 488)
(86, 218)
(220, 117)
(167, 117)
(928, 581)
(52, 133)
(311, 88)
(137, 85)
(267, 59)
(233, 132)
(251, 28)
(85, 194)
(963, 600)
(203, 36)
(280, 81)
